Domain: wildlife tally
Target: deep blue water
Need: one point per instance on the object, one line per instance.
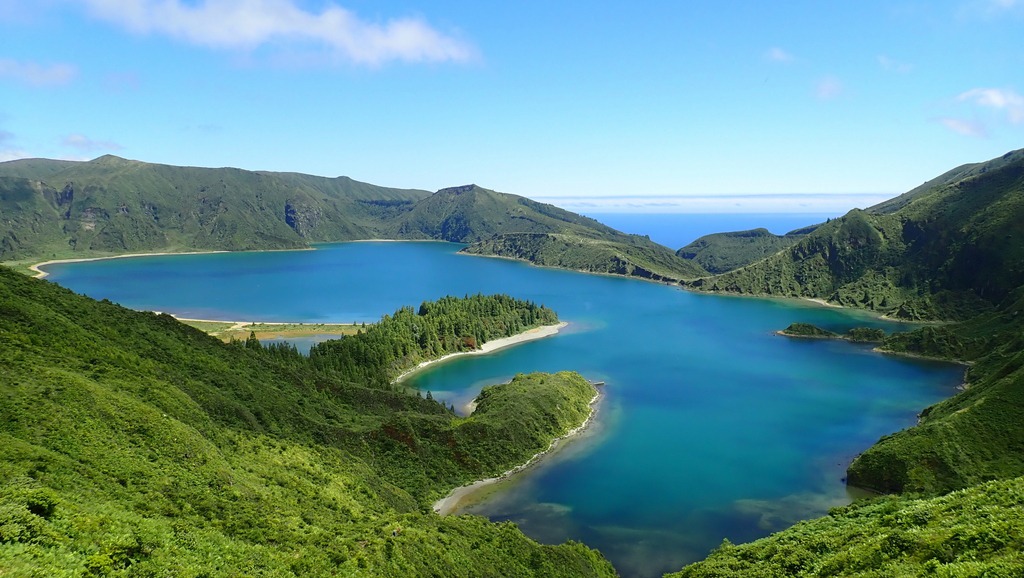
(678, 230)
(711, 426)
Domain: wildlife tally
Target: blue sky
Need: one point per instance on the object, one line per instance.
(663, 106)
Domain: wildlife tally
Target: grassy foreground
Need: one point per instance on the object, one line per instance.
(134, 445)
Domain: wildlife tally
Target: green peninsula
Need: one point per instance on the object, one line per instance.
(132, 443)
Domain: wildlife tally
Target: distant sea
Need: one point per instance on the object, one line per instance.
(676, 230)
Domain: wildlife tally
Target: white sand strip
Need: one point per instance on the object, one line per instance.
(492, 346)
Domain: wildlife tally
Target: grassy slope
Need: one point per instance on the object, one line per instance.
(917, 256)
(471, 213)
(975, 436)
(114, 205)
(722, 252)
(974, 532)
(627, 255)
(133, 444)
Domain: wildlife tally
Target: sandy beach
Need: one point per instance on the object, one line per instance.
(492, 346)
(454, 499)
(40, 274)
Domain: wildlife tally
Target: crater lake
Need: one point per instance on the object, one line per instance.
(711, 427)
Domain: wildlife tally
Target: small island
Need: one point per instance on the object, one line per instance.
(857, 334)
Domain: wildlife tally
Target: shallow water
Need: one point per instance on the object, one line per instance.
(711, 426)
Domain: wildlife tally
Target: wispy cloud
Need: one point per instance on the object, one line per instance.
(776, 54)
(84, 143)
(964, 127)
(8, 152)
(828, 88)
(35, 74)
(890, 65)
(250, 24)
(1001, 100)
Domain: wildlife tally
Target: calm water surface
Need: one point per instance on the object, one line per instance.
(711, 426)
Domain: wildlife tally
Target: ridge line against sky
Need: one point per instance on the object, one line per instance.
(693, 107)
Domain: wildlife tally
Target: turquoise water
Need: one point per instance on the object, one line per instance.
(711, 426)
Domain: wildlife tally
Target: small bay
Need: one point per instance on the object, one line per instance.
(711, 426)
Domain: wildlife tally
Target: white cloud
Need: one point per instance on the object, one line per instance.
(892, 65)
(828, 88)
(35, 74)
(250, 24)
(1001, 100)
(964, 127)
(776, 54)
(84, 143)
(9, 153)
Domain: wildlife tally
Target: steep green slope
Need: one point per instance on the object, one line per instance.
(131, 445)
(973, 532)
(503, 225)
(470, 213)
(114, 205)
(918, 257)
(972, 437)
(627, 255)
(722, 252)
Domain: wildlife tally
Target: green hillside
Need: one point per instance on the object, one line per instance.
(112, 205)
(916, 257)
(974, 532)
(628, 255)
(948, 249)
(134, 445)
(471, 213)
(722, 252)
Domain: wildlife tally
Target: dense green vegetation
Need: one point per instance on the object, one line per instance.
(916, 257)
(974, 532)
(134, 445)
(628, 255)
(857, 334)
(438, 328)
(807, 330)
(113, 205)
(722, 252)
(471, 213)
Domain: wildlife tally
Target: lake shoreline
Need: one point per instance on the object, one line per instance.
(451, 502)
(40, 274)
(491, 346)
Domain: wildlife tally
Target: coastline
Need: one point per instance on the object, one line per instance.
(448, 504)
(491, 346)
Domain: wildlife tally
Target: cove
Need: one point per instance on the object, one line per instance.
(711, 427)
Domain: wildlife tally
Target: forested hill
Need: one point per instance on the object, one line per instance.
(113, 205)
(722, 252)
(504, 225)
(947, 250)
(134, 445)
